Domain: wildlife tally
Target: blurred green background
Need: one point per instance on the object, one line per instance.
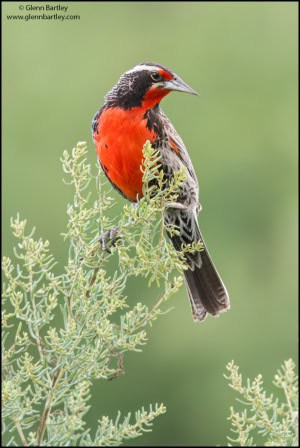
(242, 137)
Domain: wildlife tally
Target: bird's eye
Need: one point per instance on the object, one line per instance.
(156, 76)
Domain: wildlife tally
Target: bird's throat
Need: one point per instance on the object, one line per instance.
(153, 97)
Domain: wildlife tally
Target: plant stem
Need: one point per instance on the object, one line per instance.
(20, 431)
(47, 409)
(35, 327)
(161, 237)
(147, 317)
(292, 413)
(93, 279)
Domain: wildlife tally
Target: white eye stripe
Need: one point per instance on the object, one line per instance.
(139, 68)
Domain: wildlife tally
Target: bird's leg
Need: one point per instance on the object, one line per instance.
(109, 238)
(177, 205)
(181, 206)
(136, 203)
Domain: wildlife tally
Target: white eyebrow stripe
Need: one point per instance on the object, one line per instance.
(139, 68)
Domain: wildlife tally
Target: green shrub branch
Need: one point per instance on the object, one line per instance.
(48, 367)
(265, 420)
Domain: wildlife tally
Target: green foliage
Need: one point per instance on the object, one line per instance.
(48, 368)
(242, 137)
(275, 422)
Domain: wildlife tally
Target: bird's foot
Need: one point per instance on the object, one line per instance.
(109, 238)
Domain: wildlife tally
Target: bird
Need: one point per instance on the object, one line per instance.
(130, 116)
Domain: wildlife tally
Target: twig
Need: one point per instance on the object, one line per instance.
(93, 279)
(147, 317)
(47, 409)
(20, 431)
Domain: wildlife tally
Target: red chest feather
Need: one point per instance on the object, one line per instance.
(119, 139)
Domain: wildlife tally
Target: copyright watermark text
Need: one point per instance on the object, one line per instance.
(43, 12)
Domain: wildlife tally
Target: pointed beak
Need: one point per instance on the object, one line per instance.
(180, 86)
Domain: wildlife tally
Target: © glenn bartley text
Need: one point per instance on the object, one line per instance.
(46, 7)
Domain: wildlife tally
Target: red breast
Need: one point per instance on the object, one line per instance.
(119, 142)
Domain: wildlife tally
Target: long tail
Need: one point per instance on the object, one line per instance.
(206, 290)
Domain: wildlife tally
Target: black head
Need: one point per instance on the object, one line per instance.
(146, 83)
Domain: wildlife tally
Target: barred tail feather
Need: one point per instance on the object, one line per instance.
(206, 290)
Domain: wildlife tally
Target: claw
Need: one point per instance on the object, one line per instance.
(109, 238)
